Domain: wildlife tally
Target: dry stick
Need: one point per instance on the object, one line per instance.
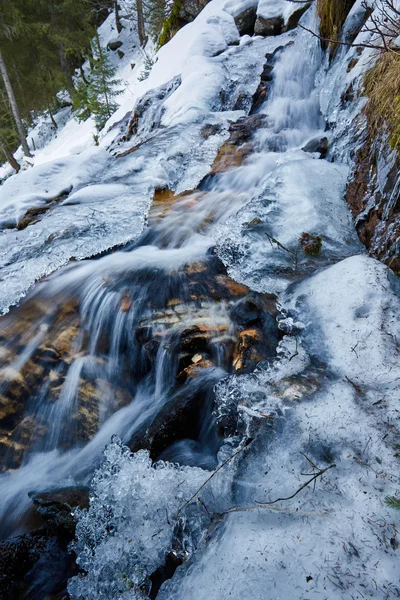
(371, 46)
(207, 480)
(300, 488)
(274, 508)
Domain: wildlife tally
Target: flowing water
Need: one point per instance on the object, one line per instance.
(139, 337)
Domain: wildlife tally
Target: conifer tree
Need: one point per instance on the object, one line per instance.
(9, 24)
(96, 98)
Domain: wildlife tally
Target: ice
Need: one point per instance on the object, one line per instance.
(277, 8)
(359, 341)
(337, 540)
(301, 195)
(109, 194)
(133, 523)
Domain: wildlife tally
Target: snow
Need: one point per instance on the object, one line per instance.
(339, 539)
(301, 195)
(277, 8)
(176, 155)
(363, 335)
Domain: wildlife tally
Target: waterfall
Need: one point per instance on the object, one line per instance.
(155, 342)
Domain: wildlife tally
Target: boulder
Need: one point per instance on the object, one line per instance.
(245, 21)
(271, 26)
(56, 506)
(320, 145)
(189, 9)
(114, 45)
(277, 25)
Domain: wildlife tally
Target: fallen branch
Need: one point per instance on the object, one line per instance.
(313, 478)
(248, 441)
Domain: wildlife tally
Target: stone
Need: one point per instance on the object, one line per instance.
(247, 352)
(114, 45)
(311, 244)
(374, 201)
(269, 27)
(246, 20)
(320, 145)
(56, 507)
(189, 9)
(247, 311)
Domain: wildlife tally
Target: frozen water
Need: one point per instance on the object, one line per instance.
(337, 540)
(134, 522)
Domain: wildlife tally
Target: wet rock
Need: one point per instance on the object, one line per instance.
(246, 20)
(17, 556)
(248, 353)
(181, 417)
(352, 63)
(189, 9)
(35, 566)
(320, 145)
(14, 443)
(247, 311)
(238, 146)
(372, 195)
(269, 27)
(114, 45)
(210, 129)
(56, 507)
(273, 26)
(311, 244)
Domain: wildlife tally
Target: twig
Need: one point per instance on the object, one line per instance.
(275, 241)
(274, 508)
(349, 44)
(319, 474)
(211, 476)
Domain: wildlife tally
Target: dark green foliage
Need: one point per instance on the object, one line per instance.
(393, 502)
(42, 42)
(171, 23)
(96, 97)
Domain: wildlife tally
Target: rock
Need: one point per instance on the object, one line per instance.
(295, 17)
(271, 26)
(320, 145)
(120, 53)
(246, 20)
(311, 244)
(114, 45)
(238, 146)
(247, 352)
(36, 566)
(210, 129)
(189, 10)
(247, 311)
(56, 506)
(374, 202)
(17, 556)
(276, 25)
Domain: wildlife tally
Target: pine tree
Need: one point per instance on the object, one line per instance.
(9, 139)
(10, 20)
(96, 98)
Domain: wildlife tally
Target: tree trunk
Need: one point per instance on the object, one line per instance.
(14, 106)
(11, 158)
(82, 72)
(52, 118)
(140, 22)
(117, 17)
